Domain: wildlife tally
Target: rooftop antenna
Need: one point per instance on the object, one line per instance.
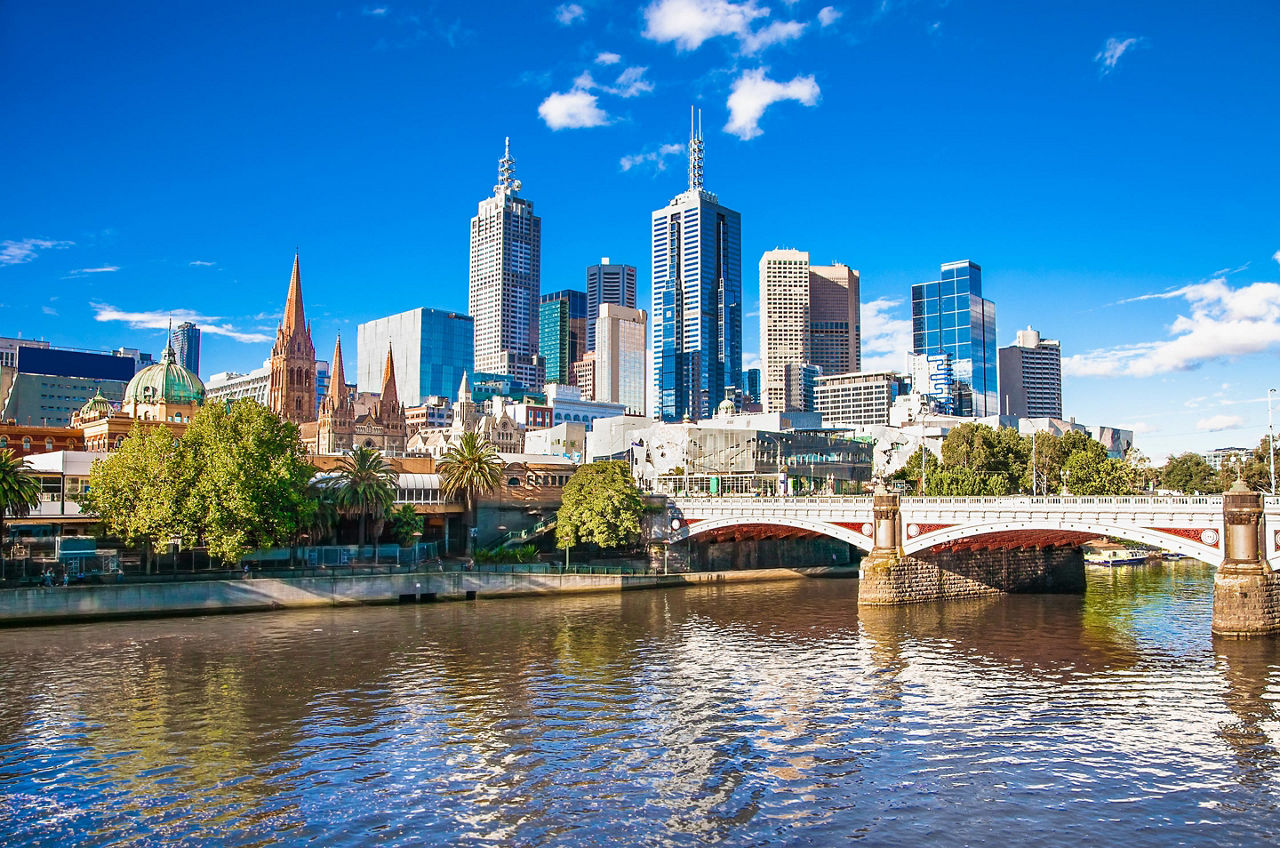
(506, 171)
(695, 149)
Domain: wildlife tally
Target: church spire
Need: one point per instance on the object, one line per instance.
(695, 150)
(295, 318)
(337, 380)
(390, 400)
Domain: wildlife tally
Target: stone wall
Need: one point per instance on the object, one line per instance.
(766, 553)
(942, 575)
(1246, 603)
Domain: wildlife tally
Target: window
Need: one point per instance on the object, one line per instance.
(26, 443)
(513, 481)
(48, 444)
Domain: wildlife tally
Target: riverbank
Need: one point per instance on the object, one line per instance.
(42, 605)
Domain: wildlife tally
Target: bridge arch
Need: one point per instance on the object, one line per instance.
(835, 531)
(1157, 538)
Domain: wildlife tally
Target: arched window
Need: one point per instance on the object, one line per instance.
(4, 441)
(514, 481)
(119, 441)
(26, 443)
(48, 444)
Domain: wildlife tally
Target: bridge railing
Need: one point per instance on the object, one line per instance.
(1006, 500)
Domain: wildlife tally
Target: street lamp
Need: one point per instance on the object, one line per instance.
(1271, 442)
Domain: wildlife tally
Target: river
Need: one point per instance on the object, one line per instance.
(761, 714)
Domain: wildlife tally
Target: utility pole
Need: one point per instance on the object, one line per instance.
(1271, 442)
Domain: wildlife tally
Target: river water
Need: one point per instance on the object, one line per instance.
(766, 714)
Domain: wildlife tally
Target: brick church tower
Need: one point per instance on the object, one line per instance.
(292, 390)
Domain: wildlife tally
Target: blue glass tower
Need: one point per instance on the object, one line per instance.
(697, 299)
(562, 333)
(951, 316)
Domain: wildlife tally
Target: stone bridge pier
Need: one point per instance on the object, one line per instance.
(1246, 592)
(889, 576)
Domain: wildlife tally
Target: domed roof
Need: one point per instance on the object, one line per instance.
(165, 382)
(96, 407)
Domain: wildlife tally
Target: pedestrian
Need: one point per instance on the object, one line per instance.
(246, 571)
(66, 577)
(46, 579)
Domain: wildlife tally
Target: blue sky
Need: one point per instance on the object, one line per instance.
(1111, 165)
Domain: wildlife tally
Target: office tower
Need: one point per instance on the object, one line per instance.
(752, 379)
(608, 283)
(291, 393)
(584, 375)
(45, 385)
(697, 298)
(432, 351)
(951, 316)
(562, 332)
(1031, 377)
(186, 345)
(808, 316)
(857, 398)
(505, 273)
(619, 354)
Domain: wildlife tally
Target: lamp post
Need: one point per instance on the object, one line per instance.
(1271, 442)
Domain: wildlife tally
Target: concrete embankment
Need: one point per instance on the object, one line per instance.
(140, 600)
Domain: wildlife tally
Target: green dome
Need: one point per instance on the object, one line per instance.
(165, 382)
(96, 407)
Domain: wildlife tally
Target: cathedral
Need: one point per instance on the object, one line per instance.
(342, 424)
(291, 394)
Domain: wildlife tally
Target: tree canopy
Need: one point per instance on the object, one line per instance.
(19, 490)
(1190, 474)
(601, 506)
(366, 486)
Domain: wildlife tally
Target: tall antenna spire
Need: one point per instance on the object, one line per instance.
(695, 150)
(506, 171)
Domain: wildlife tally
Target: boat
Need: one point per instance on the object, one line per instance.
(1111, 557)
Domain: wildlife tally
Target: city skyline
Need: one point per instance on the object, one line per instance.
(1098, 203)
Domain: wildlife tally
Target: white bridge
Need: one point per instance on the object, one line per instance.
(1193, 526)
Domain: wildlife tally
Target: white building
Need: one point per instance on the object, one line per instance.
(567, 439)
(857, 398)
(620, 357)
(505, 280)
(1031, 377)
(232, 385)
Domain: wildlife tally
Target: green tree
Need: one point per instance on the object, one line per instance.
(19, 490)
(243, 478)
(600, 505)
(1190, 474)
(1091, 472)
(367, 486)
(323, 492)
(470, 467)
(1143, 472)
(406, 524)
(966, 483)
(997, 454)
(911, 470)
(135, 490)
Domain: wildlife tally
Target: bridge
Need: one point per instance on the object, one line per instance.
(928, 549)
(1193, 526)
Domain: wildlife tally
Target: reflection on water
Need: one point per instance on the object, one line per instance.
(768, 714)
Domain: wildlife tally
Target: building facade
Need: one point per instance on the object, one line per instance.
(620, 357)
(584, 375)
(697, 299)
(835, 329)
(341, 426)
(291, 392)
(562, 333)
(1031, 377)
(233, 385)
(505, 280)
(47, 385)
(607, 283)
(857, 398)
(185, 339)
(951, 316)
(432, 349)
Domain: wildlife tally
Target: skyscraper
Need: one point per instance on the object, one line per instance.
(608, 283)
(186, 346)
(951, 316)
(291, 393)
(1031, 377)
(808, 316)
(505, 275)
(562, 333)
(432, 348)
(620, 337)
(697, 298)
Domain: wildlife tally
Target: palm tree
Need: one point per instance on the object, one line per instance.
(324, 491)
(19, 490)
(367, 485)
(470, 467)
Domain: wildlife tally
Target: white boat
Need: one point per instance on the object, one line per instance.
(1110, 557)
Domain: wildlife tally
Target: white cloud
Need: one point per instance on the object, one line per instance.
(753, 92)
(1140, 428)
(21, 252)
(1276, 256)
(48, 310)
(750, 360)
(204, 263)
(1111, 52)
(828, 15)
(631, 82)
(775, 33)
(655, 158)
(570, 13)
(1223, 322)
(573, 109)
(886, 338)
(160, 320)
(690, 23)
(80, 272)
(375, 11)
(608, 58)
(1219, 422)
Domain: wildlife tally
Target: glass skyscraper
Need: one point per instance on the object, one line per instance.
(432, 350)
(951, 316)
(186, 346)
(697, 299)
(562, 330)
